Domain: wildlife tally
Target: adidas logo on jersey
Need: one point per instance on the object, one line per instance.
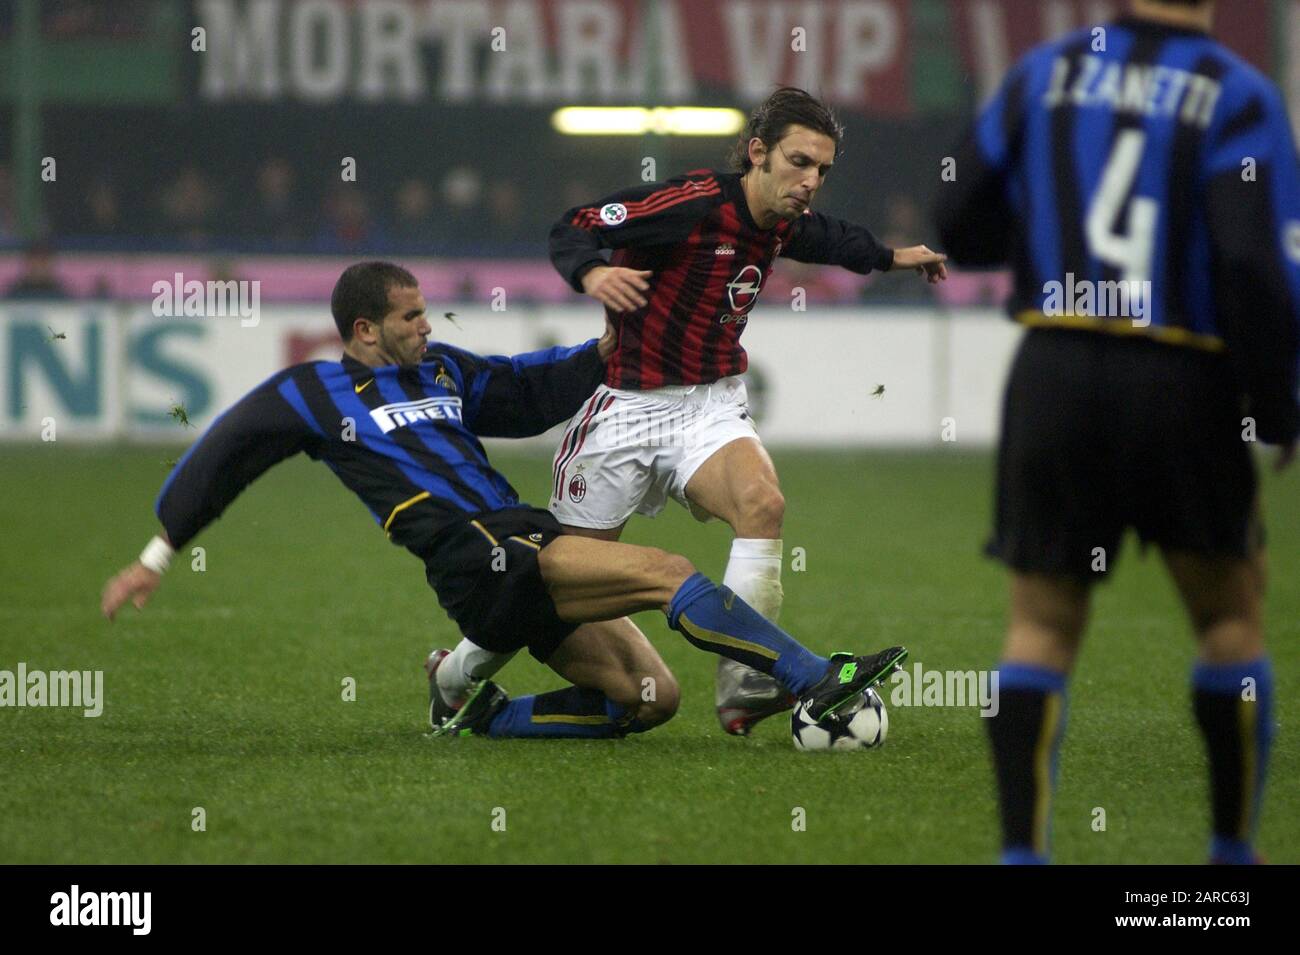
(725, 249)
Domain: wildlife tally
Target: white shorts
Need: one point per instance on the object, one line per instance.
(627, 452)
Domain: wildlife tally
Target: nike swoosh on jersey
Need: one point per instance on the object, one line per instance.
(360, 388)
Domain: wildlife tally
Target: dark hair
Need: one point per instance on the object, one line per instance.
(362, 292)
(786, 107)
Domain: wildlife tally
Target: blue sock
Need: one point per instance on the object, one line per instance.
(1233, 703)
(571, 713)
(1022, 855)
(1026, 736)
(715, 619)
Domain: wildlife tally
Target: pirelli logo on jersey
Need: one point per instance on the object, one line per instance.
(401, 413)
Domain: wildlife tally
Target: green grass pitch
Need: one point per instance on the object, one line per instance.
(226, 693)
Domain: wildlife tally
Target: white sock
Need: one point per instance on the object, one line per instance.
(468, 663)
(754, 573)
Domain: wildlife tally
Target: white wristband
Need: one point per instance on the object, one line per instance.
(157, 556)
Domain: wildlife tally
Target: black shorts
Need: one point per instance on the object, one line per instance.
(1101, 433)
(486, 576)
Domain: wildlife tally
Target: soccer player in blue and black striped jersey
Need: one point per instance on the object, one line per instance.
(398, 420)
(1143, 183)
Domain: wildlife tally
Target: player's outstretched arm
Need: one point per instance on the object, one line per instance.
(824, 240)
(523, 395)
(260, 430)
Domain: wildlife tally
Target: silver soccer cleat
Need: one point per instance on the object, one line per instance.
(746, 696)
(439, 711)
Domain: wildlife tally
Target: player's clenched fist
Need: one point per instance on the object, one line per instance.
(136, 583)
(617, 288)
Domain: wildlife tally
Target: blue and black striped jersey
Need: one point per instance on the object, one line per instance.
(1147, 167)
(403, 439)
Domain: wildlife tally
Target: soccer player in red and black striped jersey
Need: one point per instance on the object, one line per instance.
(689, 258)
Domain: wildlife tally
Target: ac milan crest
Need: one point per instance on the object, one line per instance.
(577, 488)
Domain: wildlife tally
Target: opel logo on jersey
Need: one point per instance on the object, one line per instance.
(613, 213)
(402, 413)
(742, 291)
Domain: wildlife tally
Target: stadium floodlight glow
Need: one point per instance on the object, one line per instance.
(638, 120)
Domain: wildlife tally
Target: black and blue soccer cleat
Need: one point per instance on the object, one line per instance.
(847, 677)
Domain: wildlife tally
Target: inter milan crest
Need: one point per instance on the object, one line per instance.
(444, 380)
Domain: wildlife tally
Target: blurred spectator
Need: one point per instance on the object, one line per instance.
(414, 218)
(103, 213)
(37, 279)
(349, 225)
(8, 223)
(66, 18)
(276, 208)
(903, 222)
(223, 270)
(189, 206)
(576, 192)
(506, 213)
(79, 18)
(904, 226)
(462, 213)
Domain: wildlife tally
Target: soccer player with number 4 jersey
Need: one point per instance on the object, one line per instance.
(1140, 162)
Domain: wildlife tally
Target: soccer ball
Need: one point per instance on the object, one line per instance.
(862, 724)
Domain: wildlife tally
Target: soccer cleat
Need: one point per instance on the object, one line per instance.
(475, 715)
(847, 677)
(746, 696)
(439, 710)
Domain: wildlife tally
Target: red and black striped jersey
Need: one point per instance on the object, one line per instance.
(709, 260)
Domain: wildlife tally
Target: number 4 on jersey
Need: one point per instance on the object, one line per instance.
(1130, 253)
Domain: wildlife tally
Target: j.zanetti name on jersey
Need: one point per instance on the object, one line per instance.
(402, 413)
(75, 907)
(1133, 88)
